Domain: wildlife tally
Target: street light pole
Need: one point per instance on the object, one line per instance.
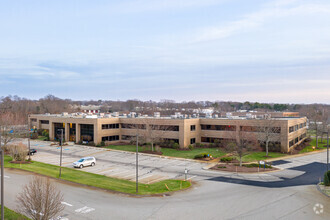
(137, 163)
(61, 153)
(2, 180)
(328, 150)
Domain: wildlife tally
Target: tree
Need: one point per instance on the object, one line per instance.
(243, 144)
(18, 151)
(11, 125)
(269, 132)
(40, 199)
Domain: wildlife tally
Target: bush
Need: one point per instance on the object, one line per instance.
(18, 151)
(91, 143)
(202, 155)
(34, 136)
(256, 165)
(197, 145)
(191, 147)
(327, 178)
(45, 133)
(226, 159)
(102, 143)
(176, 146)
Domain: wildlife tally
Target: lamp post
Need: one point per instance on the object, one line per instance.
(2, 180)
(328, 150)
(61, 142)
(137, 163)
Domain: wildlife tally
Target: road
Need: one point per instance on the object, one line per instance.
(286, 194)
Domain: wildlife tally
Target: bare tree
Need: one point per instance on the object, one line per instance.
(10, 126)
(268, 132)
(40, 199)
(18, 151)
(242, 145)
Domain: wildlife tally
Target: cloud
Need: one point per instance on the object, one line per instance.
(254, 20)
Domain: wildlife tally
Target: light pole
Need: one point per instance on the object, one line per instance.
(2, 180)
(61, 141)
(137, 163)
(328, 150)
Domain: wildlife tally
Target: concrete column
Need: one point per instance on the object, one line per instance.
(96, 141)
(77, 132)
(67, 131)
(51, 131)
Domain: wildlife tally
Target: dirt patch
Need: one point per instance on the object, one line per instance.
(230, 167)
(20, 162)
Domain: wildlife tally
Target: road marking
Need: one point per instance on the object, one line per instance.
(84, 210)
(5, 176)
(65, 203)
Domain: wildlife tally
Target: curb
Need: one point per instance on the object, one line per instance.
(320, 190)
(106, 190)
(295, 155)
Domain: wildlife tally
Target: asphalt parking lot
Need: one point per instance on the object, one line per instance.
(117, 164)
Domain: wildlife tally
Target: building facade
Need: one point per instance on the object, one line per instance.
(288, 132)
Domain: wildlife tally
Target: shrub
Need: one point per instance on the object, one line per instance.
(202, 155)
(34, 135)
(256, 165)
(327, 178)
(197, 145)
(222, 167)
(211, 145)
(176, 146)
(191, 147)
(158, 148)
(226, 159)
(39, 131)
(18, 151)
(91, 143)
(45, 133)
(102, 143)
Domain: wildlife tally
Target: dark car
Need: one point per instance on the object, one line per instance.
(32, 152)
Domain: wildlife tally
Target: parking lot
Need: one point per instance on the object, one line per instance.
(117, 164)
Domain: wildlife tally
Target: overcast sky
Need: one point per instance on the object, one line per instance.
(238, 50)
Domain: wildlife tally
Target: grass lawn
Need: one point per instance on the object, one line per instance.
(41, 138)
(256, 156)
(11, 215)
(309, 148)
(99, 181)
(189, 154)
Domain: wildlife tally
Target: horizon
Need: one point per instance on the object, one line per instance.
(274, 51)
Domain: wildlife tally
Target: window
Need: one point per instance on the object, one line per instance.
(87, 132)
(192, 140)
(33, 120)
(192, 127)
(133, 126)
(165, 127)
(219, 127)
(291, 129)
(44, 122)
(111, 138)
(110, 126)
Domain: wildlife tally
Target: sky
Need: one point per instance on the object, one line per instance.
(183, 50)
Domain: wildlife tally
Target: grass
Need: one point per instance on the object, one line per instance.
(41, 138)
(188, 154)
(99, 181)
(256, 156)
(11, 215)
(309, 148)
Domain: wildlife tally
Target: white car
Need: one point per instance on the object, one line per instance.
(86, 161)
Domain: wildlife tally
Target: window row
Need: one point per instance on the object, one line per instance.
(219, 127)
(110, 126)
(44, 122)
(297, 127)
(111, 138)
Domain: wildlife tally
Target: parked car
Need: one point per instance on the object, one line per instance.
(32, 152)
(86, 161)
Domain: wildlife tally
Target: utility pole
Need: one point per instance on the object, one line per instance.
(137, 163)
(61, 142)
(2, 180)
(328, 150)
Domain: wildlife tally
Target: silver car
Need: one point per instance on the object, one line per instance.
(86, 161)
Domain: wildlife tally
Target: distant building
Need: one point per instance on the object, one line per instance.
(183, 129)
